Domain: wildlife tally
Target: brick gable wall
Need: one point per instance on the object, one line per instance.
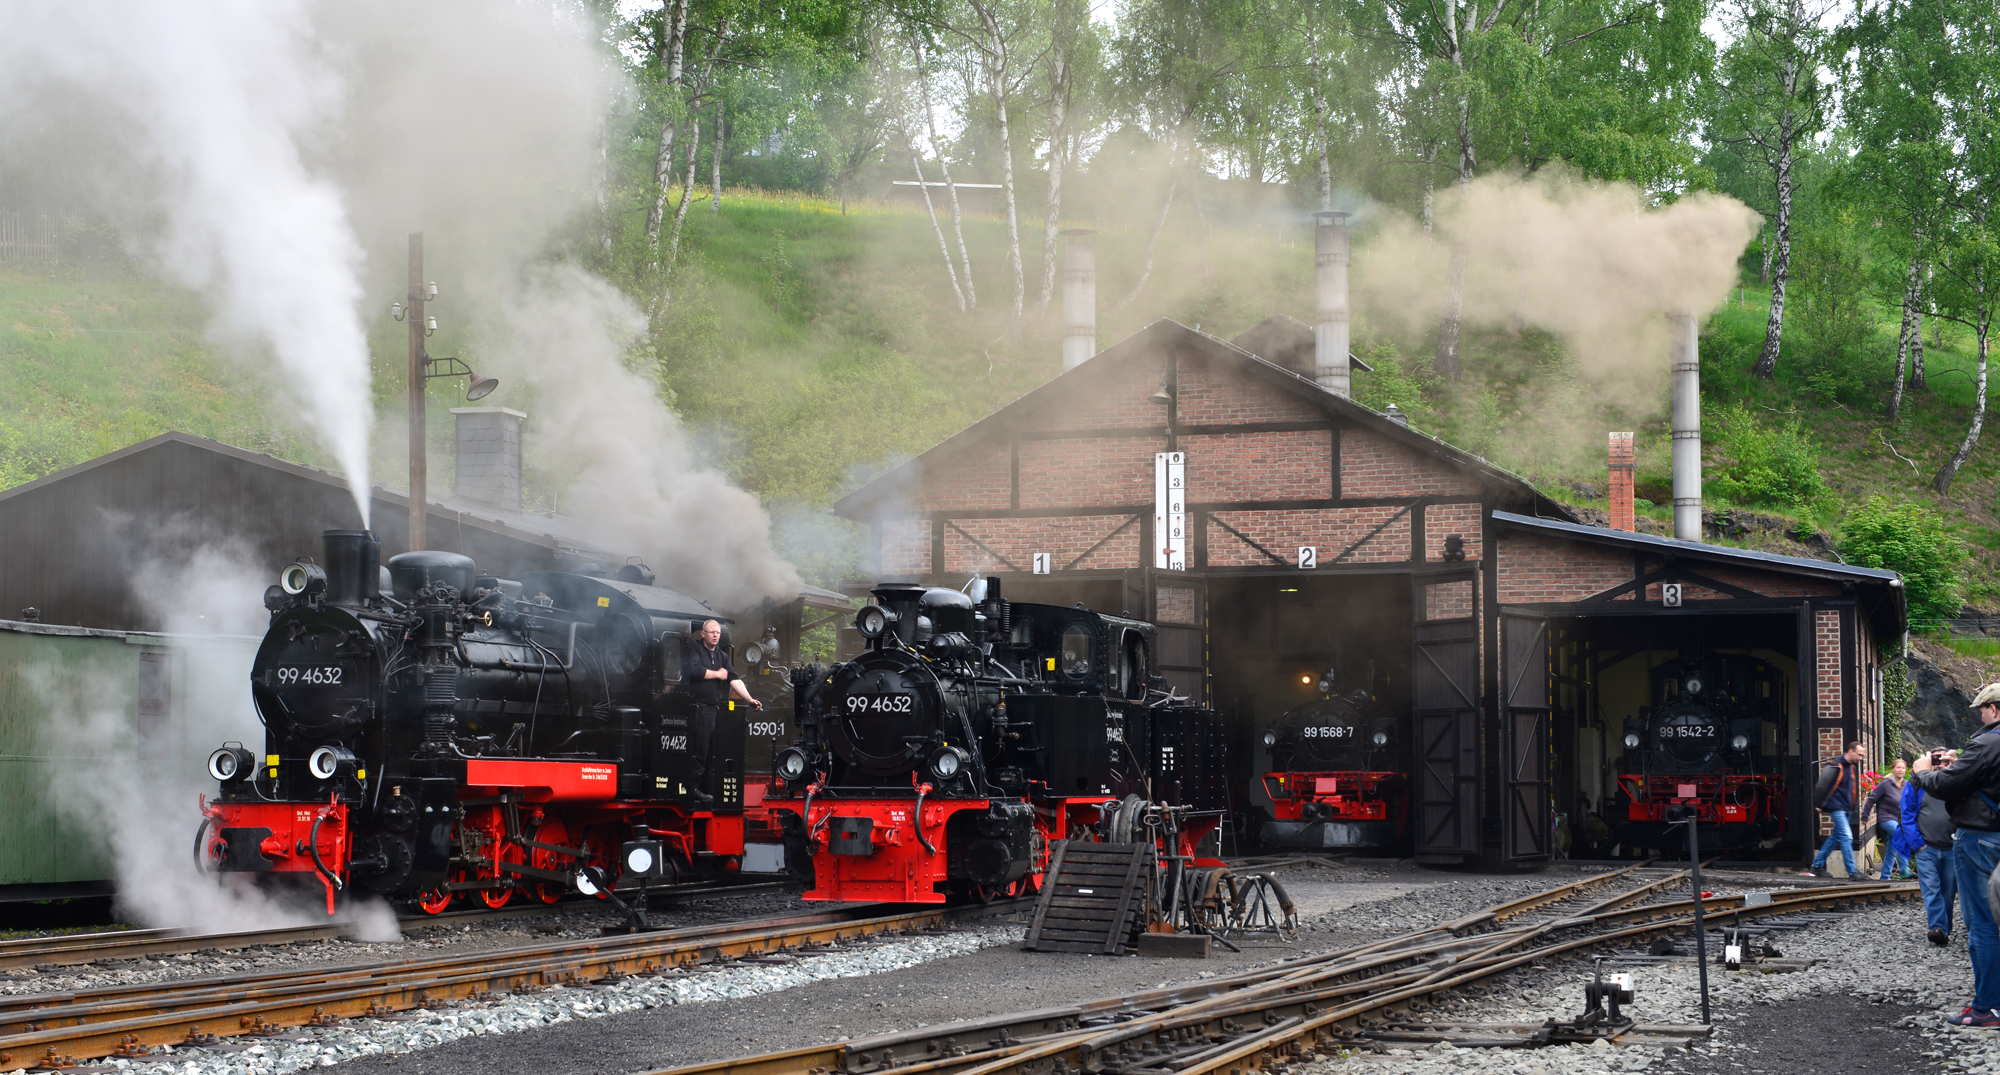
(1373, 465)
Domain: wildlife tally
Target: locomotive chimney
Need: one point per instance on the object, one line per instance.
(1079, 297)
(1683, 349)
(353, 566)
(1331, 328)
(489, 456)
(1621, 482)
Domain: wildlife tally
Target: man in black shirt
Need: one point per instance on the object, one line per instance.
(709, 679)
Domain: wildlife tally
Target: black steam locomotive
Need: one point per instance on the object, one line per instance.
(1337, 776)
(464, 733)
(1712, 738)
(972, 733)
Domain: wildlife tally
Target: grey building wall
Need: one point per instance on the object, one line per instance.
(489, 456)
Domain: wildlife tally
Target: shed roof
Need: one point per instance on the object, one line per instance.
(1169, 335)
(1884, 585)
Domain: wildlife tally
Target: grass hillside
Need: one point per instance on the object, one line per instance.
(810, 348)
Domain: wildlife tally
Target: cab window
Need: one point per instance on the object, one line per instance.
(1076, 654)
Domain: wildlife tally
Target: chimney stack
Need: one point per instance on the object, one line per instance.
(1621, 482)
(1683, 348)
(489, 456)
(1331, 328)
(1079, 297)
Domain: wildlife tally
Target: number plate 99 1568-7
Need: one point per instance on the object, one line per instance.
(858, 704)
(324, 675)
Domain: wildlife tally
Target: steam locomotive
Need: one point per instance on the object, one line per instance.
(972, 733)
(464, 734)
(1337, 774)
(1713, 738)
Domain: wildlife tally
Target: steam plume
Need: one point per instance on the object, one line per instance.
(222, 100)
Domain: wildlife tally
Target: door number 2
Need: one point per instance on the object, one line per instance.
(1308, 557)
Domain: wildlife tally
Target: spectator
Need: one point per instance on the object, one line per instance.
(1925, 840)
(1837, 797)
(1969, 788)
(1884, 804)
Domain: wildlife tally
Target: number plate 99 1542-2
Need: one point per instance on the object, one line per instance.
(857, 704)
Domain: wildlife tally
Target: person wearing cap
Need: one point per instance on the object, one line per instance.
(1971, 788)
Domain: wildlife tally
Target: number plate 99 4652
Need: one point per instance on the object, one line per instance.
(858, 704)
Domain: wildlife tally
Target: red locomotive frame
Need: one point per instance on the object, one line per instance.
(522, 823)
(904, 868)
(1720, 798)
(1339, 796)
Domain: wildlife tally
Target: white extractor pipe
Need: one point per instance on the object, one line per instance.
(1079, 297)
(1684, 348)
(1331, 328)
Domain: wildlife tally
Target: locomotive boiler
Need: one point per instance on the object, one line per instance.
(1713, 739)
(1337, 776)
(468, 735)
(972, 733)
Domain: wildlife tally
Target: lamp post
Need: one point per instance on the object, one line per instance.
(422, 369)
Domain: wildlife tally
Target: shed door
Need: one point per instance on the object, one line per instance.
(1524, 735)
(1180, 612)
(1444, 685)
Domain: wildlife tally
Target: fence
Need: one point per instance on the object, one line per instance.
(29, 237)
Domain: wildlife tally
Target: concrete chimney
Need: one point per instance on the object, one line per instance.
(1331, 327)
(1621, 482)
(489, 456)
(1079, 297)
(1683, 349)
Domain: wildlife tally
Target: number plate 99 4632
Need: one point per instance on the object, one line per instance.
(325, 675)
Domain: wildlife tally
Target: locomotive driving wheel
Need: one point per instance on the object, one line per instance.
(511, 854)
(435, 901)
(552, 831)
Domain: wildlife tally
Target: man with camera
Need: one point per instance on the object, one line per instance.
(1971, 788)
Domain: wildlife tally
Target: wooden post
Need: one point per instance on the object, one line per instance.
(418, 494)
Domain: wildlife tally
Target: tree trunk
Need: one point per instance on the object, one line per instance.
(996, 88)
(672, 48)
(1159, 225)
(687, 192)
(715, 169)
(943, 247)
(1917, 342)
(1950, 471)
(1448, 360)
(1764, 245)
(1781, 262)
(603, 192)
(950, 188)
(1058, 153)
(1325, 150)
(1903, 343)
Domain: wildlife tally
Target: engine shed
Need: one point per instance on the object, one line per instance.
(1283, 537)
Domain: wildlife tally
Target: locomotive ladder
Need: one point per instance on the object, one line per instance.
(1090, 896)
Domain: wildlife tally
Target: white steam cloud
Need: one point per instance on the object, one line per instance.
(222, 101)
(145, 782)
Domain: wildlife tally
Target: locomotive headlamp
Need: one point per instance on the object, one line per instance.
(643, 858)
(1631, 740)
(947, 762)
(298, 579)
(1270, 737)
(873, 620)
(330, 761)
(230, 764)
(1741, 742)
(792, 763)
(1694, 685)
(753, 654)
(1381, 739)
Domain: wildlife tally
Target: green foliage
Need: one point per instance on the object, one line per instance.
(1396, 381)
(1833, 323)
(1911, 539)
(1773, 466)
(1898, 691)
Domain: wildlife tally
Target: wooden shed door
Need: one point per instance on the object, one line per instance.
(1180, 612)
(1524, 734)
(1444, 686)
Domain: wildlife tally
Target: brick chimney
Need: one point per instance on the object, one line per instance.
(489, 456)
(1621, 482)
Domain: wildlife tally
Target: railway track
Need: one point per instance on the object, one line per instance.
(78, 949)
(59, 1029)
(1291, 1011)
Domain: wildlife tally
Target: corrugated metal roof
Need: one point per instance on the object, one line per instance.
(1633, 539)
